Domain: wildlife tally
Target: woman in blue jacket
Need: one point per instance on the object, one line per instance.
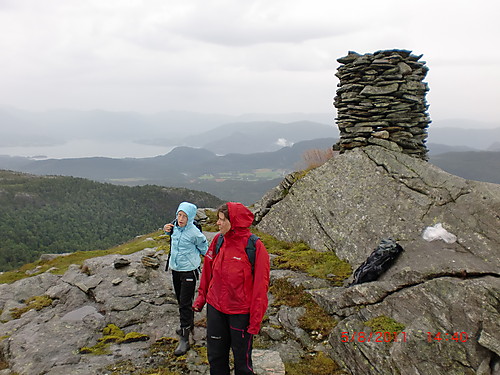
(187, 243)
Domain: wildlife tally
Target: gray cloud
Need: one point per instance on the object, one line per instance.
(237, 56)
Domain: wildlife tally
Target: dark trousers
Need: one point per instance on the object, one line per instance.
(184, 287)
(225, 331)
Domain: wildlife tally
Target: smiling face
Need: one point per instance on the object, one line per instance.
(182, 219)
(223, 223)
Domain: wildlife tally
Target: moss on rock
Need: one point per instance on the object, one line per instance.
(317, 363)
(384, 324)
(316, 319)
(298, 256)
(37, 303)
(112, 330)
(133, 337)
(112, 334)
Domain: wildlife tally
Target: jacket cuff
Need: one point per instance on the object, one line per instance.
(253, 330)
(199, 303)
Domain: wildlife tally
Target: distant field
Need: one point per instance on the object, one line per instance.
(255, 175)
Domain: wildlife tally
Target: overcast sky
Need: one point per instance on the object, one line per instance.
(239, 56)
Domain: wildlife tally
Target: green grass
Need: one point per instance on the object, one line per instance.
(384, 324)
(60, 264)
(211, 224)
(37, 303)
(315, 320)
(112, 334)
(290, 255)
(317, 363)
(298, 256)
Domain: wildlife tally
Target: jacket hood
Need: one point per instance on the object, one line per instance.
(189, 209)
(239, 215)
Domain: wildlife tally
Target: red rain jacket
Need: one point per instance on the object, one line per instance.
(227, 282)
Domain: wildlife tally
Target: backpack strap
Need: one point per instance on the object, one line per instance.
(220, 240)
(250, 249)
(197, 224)
(170, 243)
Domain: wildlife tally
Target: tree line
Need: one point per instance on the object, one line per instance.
(55, 214)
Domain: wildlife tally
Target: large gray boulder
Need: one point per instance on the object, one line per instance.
(364, 195)
(84, 301)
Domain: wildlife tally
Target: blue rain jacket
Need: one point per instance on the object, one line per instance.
(187, 242)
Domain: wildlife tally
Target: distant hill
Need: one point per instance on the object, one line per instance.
(245, 177)
(67, 214)
(472, 165)
(262, 136)
(437, 148)
(477, 138)
(42, 128)
(175, 128)
(494, 147)
(237, 177)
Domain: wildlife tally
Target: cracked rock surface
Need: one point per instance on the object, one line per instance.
(357, 198)
(349, 203)
(84, 301)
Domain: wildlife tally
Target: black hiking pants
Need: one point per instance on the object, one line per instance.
(225, 331)
(184, 287)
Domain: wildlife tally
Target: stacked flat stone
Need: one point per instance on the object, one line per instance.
(381, 100)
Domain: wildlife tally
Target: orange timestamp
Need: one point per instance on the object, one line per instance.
(374, 337)
(401, 336)
(447, 336)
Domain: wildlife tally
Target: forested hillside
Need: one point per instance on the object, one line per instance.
(58, 214)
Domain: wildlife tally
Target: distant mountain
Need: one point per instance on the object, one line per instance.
(58, 126)
(464, 123)
(252, 137)
(263, 136)
(245, 176)
(28, 128)
(475, 138)
(219, 133)
(67, 214)
(472, 165)
(437, 148)
(494, 147)
(239, 177)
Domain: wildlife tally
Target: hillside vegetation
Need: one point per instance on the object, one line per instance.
(66, 214)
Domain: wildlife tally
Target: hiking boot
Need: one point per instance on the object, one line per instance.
(183, 346)
(179, 331)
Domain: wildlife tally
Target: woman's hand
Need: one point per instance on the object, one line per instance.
(168, 227)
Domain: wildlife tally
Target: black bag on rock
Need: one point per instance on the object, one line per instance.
(378, 262)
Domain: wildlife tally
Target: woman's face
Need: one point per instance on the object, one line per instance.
(182, 219)
(223, 223)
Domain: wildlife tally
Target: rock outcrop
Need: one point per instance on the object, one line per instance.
(363, 195)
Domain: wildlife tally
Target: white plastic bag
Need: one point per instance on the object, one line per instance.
(437, 232)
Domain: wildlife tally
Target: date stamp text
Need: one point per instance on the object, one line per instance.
(401, 336)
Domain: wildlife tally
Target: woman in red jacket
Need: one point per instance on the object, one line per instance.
(236, 297)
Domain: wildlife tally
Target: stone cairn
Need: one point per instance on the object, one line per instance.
(381, 100)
